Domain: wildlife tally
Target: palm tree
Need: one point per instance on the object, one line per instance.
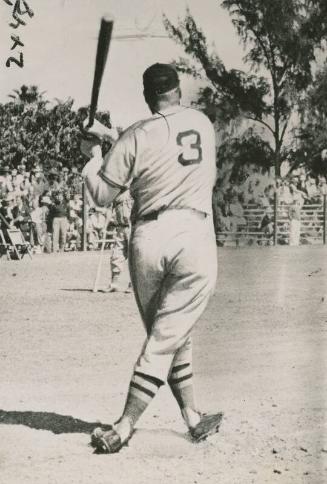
(27, 94)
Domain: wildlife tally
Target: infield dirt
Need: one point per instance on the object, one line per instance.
(260, 356)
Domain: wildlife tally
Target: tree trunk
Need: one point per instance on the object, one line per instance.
(277, 161)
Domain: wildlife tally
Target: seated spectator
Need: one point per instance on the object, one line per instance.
(218, 196)
(16, 180)
(21, 171)
(249, 193)
(3, 174)
(76, 206)
(21, 168)
(322, 186)
(7, 177)
(263, 200)
(6, 215)
(74, 234)
(95, 226)
(267, 225)
(75, 227)
(3, 189)
(312, 190)
(25, 186)
(22, 215)
(222, 223)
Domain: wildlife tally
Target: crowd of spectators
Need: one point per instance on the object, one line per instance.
(232, 199)
(43, 198)
(40, 166)
(47, 207)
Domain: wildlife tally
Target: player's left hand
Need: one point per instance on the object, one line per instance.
(99, 132)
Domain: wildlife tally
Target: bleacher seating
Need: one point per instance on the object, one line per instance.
(312, 226)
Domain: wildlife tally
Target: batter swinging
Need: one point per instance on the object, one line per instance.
(168, 163)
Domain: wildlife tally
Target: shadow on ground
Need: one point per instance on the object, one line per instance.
(58, 424)
(77, 290)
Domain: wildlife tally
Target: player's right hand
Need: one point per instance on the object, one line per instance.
(91, 148)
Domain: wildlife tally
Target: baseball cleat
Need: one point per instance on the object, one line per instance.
(108, 289)
(106, 442)
(129, 289)
(116, 288)
(208, 425)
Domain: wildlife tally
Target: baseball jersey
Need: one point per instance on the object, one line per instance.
(167, 161)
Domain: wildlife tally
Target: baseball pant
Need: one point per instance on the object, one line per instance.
(120, 250)
(173, 266)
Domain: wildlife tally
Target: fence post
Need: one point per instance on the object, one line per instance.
(325, 220)
(84, 244)
(275, 217)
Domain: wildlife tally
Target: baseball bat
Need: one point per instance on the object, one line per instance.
(106, 27)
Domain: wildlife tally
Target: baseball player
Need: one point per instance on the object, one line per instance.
(121, 215)
(168, 163)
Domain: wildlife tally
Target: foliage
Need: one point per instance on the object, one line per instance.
(312, 134)
(315, 104)
(280, 38)
(245, 151)
(27, 94)
(35, 133)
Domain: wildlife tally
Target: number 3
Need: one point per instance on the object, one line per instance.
(191, 143)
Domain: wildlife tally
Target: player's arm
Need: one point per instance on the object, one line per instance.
(101, 191)
(106, 178)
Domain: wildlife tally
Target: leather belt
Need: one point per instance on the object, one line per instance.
(150, 216)
(155, 214)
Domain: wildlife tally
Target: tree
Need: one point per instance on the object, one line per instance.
(33, 131)
(312, 134)
(281, 38)
(27, 94)
(249, 149)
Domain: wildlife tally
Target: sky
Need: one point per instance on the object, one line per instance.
(60, 46)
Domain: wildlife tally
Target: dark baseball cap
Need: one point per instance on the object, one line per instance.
(160, 78)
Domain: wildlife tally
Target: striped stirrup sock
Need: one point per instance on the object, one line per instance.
(181, 384)
(141, 391)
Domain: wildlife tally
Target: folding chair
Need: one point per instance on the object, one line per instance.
(4, 246)
(19, 244)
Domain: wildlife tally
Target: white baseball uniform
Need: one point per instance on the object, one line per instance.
(121, 210)
(168, 161)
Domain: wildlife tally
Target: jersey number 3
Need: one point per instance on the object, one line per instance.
(190, 141)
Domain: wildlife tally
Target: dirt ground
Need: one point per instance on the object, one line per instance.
(66, 355)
